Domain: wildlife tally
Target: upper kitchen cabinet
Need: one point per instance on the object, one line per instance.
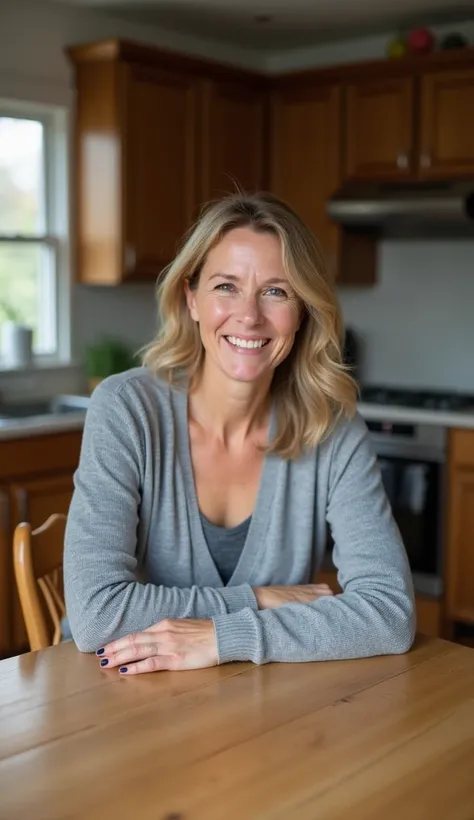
(156, 134)
(306, 154)
(158, 165)
(379, 128)
(232, 134)
(447, 124)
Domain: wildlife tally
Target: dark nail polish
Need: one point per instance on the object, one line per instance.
(104, 662)
(100, 652)
(123, 669)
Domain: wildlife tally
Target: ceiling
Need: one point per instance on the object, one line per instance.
(279, 24)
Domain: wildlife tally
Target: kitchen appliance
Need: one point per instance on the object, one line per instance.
(428, 208)
(412, 458)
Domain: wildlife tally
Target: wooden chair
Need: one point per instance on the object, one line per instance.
(38, 562)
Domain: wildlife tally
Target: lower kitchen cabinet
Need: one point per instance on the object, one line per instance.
(460, 559)
(36, 480)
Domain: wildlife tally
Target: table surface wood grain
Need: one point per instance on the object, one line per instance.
(385, 737)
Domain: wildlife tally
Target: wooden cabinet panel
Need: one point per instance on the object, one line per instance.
(460, 566)
(36, 475)
(34, 501)
(159, 195)
(232, 137)
(306, 156)
(447, 124)
(379, 128)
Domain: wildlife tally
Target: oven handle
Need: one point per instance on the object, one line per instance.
(409, 452)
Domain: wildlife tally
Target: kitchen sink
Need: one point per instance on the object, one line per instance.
(56, 406)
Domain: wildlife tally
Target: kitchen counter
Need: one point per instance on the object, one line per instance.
(376, 737)
(413, 415)
(40, 425)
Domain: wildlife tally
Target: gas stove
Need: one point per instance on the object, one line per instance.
(420, 399)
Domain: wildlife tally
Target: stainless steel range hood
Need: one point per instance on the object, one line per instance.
(406, 209)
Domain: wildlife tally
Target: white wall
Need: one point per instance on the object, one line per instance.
(349, 51)
(417, 324)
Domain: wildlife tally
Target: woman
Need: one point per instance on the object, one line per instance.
(207, 477)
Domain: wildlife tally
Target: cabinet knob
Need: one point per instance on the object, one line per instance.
(425, 159)
(402, 160)
(130, 259)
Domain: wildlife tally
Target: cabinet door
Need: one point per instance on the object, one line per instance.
(379, 129)
(159, 174)
(306, 156)
(34, 501)
(447, 124)
(231, 139)
(460, 564)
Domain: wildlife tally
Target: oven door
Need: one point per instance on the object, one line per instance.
(414, 487)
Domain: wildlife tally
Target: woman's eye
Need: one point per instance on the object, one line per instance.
(227, 287)
(276, 292)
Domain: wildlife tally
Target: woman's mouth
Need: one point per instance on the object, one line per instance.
(246, 344)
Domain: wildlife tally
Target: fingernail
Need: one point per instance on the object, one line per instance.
(123, 669)
(104, 662)
(100, 651)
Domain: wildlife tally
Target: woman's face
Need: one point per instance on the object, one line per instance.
(248, 314)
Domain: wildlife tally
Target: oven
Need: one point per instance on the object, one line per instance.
(412, 459)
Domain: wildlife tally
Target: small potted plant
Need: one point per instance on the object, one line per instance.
(106, 357)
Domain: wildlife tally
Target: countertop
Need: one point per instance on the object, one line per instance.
(363, 739)
(38, 425)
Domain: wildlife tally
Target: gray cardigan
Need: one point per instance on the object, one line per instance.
(135, 550)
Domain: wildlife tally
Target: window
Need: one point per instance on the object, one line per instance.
(33, 233)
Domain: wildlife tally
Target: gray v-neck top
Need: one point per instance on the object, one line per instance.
(135, 550)
(225, 545)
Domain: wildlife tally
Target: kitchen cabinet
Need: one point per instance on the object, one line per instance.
(232, 151)
(447, 124)
(306, 146)
(380, 128)
(460, 559)
(36, 480)
(155, 137)
(411, 127)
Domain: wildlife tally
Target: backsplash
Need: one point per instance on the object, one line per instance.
(417, 324)
(127, 313)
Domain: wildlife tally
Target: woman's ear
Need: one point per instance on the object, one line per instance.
(190, 294)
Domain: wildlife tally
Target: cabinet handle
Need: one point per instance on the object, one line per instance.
(402, 160)
(22, 498)
(425, 159)
(130, 259)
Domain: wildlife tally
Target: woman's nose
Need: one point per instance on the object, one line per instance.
(250, 310)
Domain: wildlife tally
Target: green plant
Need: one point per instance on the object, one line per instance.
(106, 357)
(10, 313)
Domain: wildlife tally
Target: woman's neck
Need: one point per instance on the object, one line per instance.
(227, 409)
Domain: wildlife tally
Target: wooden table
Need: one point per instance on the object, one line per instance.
(378, 738)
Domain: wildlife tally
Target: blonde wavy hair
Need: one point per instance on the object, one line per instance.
(311, 388)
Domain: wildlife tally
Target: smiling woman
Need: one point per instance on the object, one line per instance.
(208, 476)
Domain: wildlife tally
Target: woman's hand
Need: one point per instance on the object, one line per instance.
(169, 644)
(272, 597)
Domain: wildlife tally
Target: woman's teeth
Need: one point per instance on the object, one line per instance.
(248, 343)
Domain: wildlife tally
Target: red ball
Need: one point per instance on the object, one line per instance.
(420, 41)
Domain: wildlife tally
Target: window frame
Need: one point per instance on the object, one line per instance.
(55, 237)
